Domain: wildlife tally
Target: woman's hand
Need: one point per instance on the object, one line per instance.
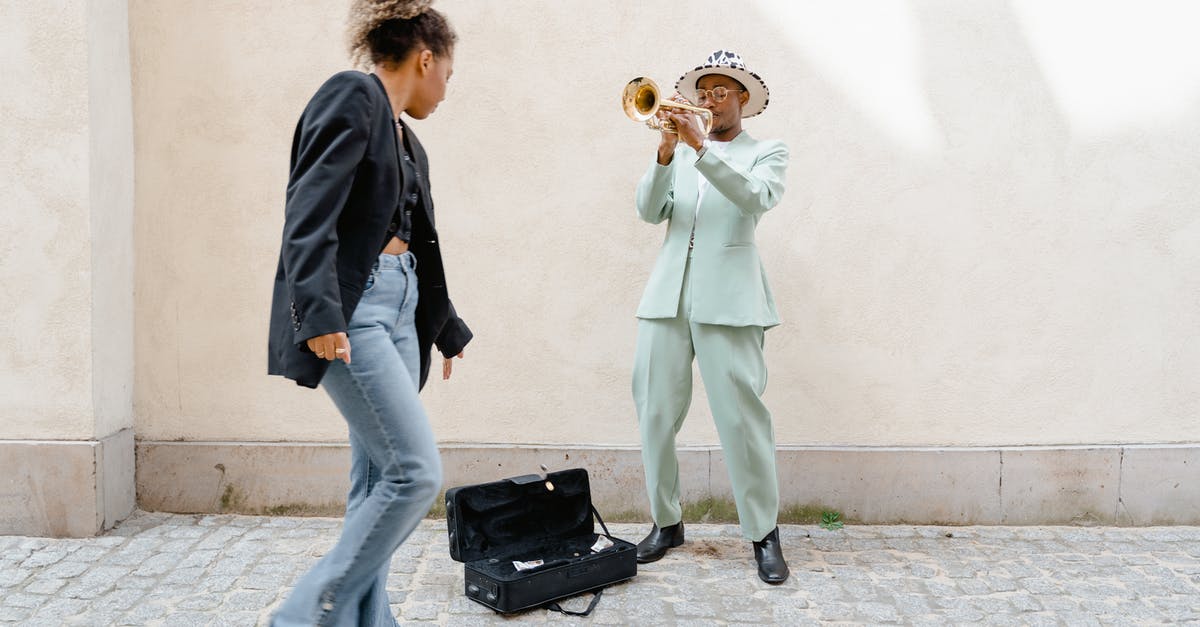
(448, 366)
(330, 346)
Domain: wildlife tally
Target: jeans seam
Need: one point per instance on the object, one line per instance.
(333, 588)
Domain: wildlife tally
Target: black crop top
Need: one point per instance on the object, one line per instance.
(410, 193)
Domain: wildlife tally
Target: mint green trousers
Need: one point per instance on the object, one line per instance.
(735, 375)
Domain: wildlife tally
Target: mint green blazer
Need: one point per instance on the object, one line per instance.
(729, 284)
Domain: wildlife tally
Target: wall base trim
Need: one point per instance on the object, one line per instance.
(70, 488)
(1131, 485)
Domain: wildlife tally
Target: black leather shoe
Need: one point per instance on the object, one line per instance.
(655, 546)
(769, 555)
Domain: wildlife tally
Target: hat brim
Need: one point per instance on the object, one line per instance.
(759, 94)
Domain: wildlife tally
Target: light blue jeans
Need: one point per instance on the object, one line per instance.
(395, 471)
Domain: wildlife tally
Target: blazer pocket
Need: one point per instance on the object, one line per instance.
(738, 244)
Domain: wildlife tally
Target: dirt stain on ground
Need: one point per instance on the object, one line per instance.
(717, 549)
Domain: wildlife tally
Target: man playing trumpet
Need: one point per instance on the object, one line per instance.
(708, 299)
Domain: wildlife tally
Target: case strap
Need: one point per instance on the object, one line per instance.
(601, 521)
(555, 607)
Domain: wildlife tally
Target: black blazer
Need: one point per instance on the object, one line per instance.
(344, 189)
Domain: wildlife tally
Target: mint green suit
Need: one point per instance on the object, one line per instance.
(711, 303)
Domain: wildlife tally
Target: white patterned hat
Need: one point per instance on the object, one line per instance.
(728, 63)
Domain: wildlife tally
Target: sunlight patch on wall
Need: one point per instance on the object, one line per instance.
(874, 61)
(1116, 65)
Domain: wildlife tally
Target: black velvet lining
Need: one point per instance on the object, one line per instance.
(556, 554)
(523, 520)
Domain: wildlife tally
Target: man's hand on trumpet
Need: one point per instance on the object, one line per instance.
(687, 128)
(666, 146)
(667, 141)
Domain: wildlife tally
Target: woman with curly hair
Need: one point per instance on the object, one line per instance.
(360, 270)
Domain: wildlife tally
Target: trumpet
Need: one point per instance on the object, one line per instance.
(642, 99)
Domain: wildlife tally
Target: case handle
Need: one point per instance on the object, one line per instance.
(555, 607)
(526, 479)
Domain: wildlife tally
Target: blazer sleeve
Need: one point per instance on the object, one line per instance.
(656, 193)
(754, 191)
(454, 335)
(330, 142)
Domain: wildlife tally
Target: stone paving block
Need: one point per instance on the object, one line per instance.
(1058, 604)
(93, 617)
(64, 570)
(247, 600)
(26, 601)
(43, 558)
(1025, 602)
(34, 621)
(191, 619)
(9, 570)
(206, 601)
(235, 619)
(81, 590)
(118, 601)
(836, 611)
(59, 608)
(877, 612)
(1079, 619)
(45, 585)
(974, 587)
(911, 604)
(1040, 619)
(963, 614)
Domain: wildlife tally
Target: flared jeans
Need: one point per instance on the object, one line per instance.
(396, 470)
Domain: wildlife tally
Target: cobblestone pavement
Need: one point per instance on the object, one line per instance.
(176, 570)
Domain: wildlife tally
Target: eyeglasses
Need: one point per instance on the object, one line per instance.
(717, 94)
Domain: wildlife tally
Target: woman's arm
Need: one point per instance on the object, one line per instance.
(454, 337)
(330, 142)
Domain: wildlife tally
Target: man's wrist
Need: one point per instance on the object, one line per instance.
(702, 149)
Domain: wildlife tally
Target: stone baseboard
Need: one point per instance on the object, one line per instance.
(66, 488)
(1112, 485)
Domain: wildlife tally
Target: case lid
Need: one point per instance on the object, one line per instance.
(516, 515)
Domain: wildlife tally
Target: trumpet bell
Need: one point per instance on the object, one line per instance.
(641, 99)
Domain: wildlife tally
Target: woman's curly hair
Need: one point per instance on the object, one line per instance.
(387, 31)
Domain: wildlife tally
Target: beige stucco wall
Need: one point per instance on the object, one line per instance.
(66, 370)
(992, 255)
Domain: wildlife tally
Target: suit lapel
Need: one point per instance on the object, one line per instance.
(736, 153)
(422, 163)
(395, 133)
(738, 148)
(418, 155)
